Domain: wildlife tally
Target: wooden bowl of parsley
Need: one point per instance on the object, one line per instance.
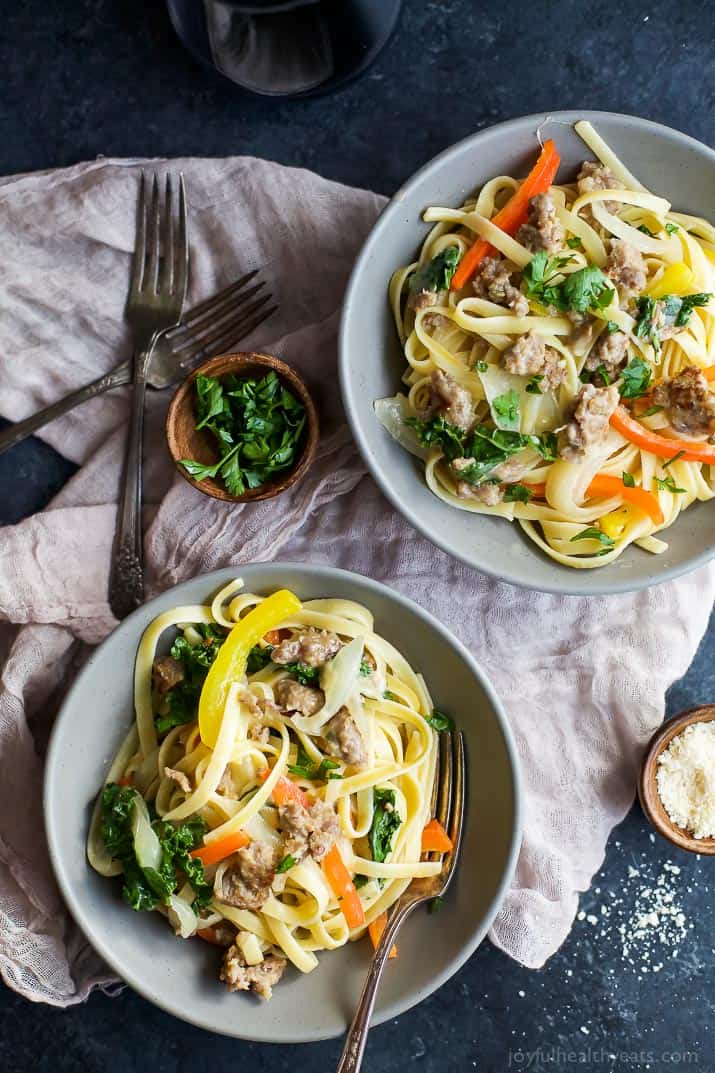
(242, 427)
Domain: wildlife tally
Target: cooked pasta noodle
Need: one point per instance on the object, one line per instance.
(321, 761)
(507, 374)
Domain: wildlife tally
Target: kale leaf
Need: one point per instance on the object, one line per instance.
(258, 658)
(385, 822)
(436, 432)
(182, 701)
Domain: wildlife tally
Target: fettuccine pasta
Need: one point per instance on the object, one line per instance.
(273, 793)
(560, 350)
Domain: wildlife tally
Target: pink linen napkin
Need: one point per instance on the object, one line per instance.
(582, 696)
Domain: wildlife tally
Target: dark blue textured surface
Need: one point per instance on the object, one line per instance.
(107, 76)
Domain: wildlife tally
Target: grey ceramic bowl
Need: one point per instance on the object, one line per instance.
(371, 361)
(182, 976)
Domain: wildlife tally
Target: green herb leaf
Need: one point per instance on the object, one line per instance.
(646, 230)
(594, 534)
(180, 704)
(506, 411)
(588, 288)
(327, 770)
(517, 493)
(673, 459)
(636, 378)
(482, 366)
(667, 484)
(385, 822)
(628, 479)
(612, 327)
(437, 274)
(574, 243)
(303, 766)
(602, 371)
(366, 669)
(672, 229)
(439, 721)
(547, 444)
(391, 696)
(437, 432)
(435, 905)
(533, 387)
(360, 881)
(651, 410)
(285, 864)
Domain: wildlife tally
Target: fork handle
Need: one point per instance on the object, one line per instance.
(126, 576)
(354, 1049)
(18, 432)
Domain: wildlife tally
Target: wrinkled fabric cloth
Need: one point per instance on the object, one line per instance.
(582, 696)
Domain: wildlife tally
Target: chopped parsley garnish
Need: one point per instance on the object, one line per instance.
(435, 905)
(672, 228)
(257, 427)
(592, 533)
(286, 863)
(534, 385)
(439, 721)
(588, 288)
(603, 372)
(181, 702)
(517, 493)
(506, 411)
(437, 274)
(629, 480)
(651, 410)
(305, 769)
(646, 230)
(667, 312)
(437, 432)
(145, 888)
(673, 459)
(636, 378)
(482, 366)
(574, 243)
(612, 327)
(366, 669)
(360, 881)
(667, 484)
(391, 696)
(385, 822)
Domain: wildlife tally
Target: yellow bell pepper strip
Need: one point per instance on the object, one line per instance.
(603, 485)
(677, 279)
(514, 213)
(662, 446)
(230, 664)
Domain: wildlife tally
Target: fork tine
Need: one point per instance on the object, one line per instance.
(457, 821)
(238, 332)
(166, 263)
(139, 256)
(151, 274)
(226, 308)
(444, 793)
(180, 272)
(208, 337)
(209, 305)
(435, 783)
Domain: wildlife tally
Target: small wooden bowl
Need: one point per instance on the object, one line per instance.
(186, 442)
(648, 787)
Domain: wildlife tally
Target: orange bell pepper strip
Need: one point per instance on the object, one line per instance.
(514, 214)
(709, 373)
(343, 888)
(538, 491)
(285, 790)
(230, 663)
(604, 485)
(216, 851)
(435, 839)
(375, 930)
(126, 780)
(662, 446)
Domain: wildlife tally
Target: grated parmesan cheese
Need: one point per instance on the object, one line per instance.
(686, 779)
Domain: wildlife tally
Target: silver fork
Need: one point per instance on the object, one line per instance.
(157, 291)
(211, 327)
(448, 807)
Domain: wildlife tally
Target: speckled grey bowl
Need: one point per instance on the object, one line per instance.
(182, 976)
(371, 361)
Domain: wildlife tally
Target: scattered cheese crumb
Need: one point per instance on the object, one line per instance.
(686, 779)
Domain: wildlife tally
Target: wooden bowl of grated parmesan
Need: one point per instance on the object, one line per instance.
(677, 781)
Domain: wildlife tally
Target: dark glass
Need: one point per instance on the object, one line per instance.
(293, 48)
